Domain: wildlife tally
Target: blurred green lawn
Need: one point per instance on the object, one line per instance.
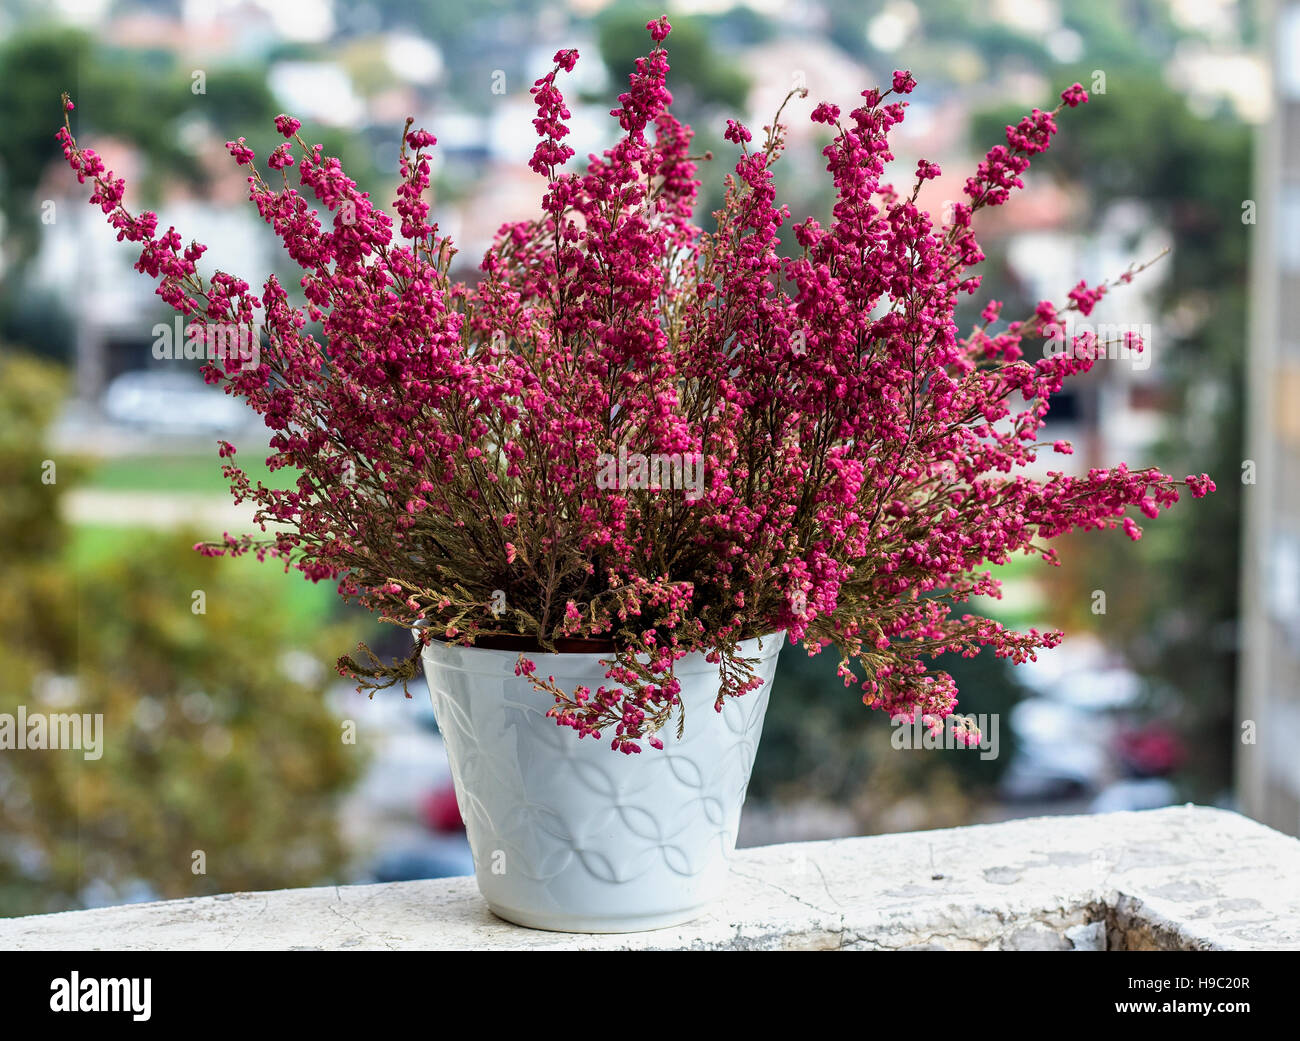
(195, 475)
(309, 605)
(192, 474)
(178, 473)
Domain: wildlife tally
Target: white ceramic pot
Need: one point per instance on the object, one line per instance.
(568, 834)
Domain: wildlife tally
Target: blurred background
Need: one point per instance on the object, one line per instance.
(235, 758)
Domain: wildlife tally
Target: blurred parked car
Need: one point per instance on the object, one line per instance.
(171, 401)
(1080, 736)
(1066, 731)
(432, 857)
(440, 810)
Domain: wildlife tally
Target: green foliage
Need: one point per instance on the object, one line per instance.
(212, 742)
(30, 526)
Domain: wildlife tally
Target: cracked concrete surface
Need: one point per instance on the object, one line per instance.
(1173, 879)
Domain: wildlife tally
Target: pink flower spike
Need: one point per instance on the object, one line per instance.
(1074, 95)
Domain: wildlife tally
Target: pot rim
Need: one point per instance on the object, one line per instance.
(474, 658)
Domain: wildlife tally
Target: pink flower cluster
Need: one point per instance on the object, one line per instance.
(861, 457)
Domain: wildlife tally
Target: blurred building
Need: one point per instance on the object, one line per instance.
(1268, 769)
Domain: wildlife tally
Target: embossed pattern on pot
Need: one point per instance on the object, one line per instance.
(566, 835)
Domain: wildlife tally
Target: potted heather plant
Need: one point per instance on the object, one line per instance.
(603, 483)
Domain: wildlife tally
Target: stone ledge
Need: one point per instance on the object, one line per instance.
(1186, 878)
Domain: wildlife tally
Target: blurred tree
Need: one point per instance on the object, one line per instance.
(143, 98)
(701, 78)
(937, 21)
(740, 26)
(35, 67)
(707, 88)
(30, 394)
(1110, 32)
(821, 742)
(213, 741)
